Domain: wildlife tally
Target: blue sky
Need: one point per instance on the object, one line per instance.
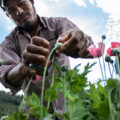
(94, 17)
(68, 9)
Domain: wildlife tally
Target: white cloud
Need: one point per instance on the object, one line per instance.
(111, 7)
(92, 1)
(9, 25)
(9, 28)
(86, 26)
(42, 8)
(80, 3)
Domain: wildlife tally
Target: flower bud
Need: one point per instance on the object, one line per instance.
(64, 68)
(58, 45)
(116, 51)
(107, 58)
(103, 37)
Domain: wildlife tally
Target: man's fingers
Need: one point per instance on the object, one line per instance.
(68, 44)
(35, 58)
(30, 72)
(72, 52)
(63, 38)
(37, 50)
(40, 42)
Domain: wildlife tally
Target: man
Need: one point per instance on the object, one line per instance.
(31, 42)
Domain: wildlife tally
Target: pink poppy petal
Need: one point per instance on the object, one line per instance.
(99, 52)
(92, 50)
(115, 44)
(101, 46)
(109, 51)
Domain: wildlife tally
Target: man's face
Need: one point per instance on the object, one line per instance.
(22, 12)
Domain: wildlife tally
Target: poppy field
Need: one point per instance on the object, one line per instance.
(83, 100)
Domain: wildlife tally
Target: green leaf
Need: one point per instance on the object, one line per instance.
(96, 94)
(81, 112)
(19, 115)
(57, 68)
(32, 100)
(103, 110)
(52, 93)
(49, 117)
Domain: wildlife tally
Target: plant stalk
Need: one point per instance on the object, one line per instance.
(101, 68)
(48, 105)
(43, 81)
(26, 90)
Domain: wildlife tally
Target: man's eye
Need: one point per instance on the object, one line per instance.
(21, 3)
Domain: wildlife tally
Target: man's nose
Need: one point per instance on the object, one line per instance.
(19, 10)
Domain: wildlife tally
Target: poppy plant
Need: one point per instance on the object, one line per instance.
(110, 49)
(97, 52)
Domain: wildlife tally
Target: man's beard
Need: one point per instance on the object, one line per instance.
(27, 25)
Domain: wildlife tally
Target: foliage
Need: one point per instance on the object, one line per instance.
(83, 100)
(87, 101)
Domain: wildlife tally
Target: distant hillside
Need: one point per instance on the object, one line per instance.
(8, 103)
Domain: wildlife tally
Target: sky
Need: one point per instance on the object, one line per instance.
(93, 17)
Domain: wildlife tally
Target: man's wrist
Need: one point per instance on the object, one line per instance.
(15, 76)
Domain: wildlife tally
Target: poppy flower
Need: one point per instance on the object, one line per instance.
(115, 44)
(97, 52)
(110, 49)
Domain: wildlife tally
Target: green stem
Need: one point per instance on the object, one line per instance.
(110, 105)
(109, 69)
(43, 82)
(25, 93)
(64, 89)
(117, 57)
(103, 61)
(104, 66)
(70, 109)
(113, 66)
(101, 68)
(48, 105)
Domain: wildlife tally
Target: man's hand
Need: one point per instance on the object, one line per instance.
(36, 52)
(75, 44)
